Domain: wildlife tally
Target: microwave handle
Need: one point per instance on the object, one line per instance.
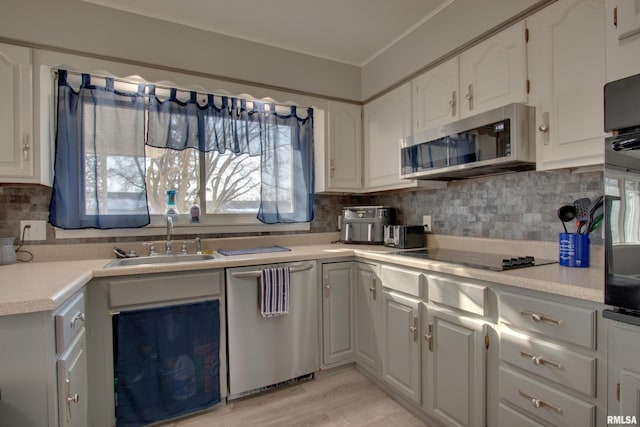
(369, 232)
(347, 230)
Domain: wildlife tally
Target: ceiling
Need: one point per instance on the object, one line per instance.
(348, 31)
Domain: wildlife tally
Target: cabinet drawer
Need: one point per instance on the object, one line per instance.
(149, 289)
(406, 281)
(550, 361)
(553, 406)
(458, 294)
(69, 320)
(508, 417)
(559, 321)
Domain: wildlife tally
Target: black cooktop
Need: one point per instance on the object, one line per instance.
(485, 261)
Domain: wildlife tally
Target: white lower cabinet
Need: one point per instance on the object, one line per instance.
(401, 361)
(338, 296)
(454, 367)
(368, 317)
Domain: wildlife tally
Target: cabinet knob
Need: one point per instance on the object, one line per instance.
(73, 399)
(544, 128)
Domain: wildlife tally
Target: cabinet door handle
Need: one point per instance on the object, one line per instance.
(537, 317)
(429, 336)
(26, 147)
(414, 329)
(70, 399)
(332, 168)
(453, 103)
(80, 317)
(373, 288)
(544, 128)
(540, 360)
(327, 285)
(539, 403)
(469, 96)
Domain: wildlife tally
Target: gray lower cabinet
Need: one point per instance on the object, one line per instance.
(43, 374)
(401, 361)
(338, 295)
(71, 364)
(550, 362)
(72, 384)
(454, 367)
(108, 297)
(368, 317)
(624, 373)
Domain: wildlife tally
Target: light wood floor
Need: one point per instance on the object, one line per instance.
(342, 398)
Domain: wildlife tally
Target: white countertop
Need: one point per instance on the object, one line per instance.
(43, 286)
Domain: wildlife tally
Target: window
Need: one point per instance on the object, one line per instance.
(237, 160)
(625, 207)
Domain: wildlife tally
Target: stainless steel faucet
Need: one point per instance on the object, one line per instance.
(169, 231)
(198, 246)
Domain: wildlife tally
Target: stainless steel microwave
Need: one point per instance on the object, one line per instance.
(496, 141)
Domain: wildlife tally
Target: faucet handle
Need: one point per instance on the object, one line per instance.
(152, 248)
(198, 245)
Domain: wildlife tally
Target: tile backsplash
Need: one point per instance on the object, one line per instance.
(511, 206)
(519, 206)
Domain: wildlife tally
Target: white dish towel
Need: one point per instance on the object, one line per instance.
(274, 291)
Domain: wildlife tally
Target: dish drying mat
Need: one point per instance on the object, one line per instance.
(228, 252)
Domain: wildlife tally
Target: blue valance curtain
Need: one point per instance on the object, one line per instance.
(283, 142)
(97, 125)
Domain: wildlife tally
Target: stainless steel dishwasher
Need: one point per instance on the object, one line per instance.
(267, 351)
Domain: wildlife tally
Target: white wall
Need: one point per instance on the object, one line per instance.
(88, 28)
(455, 25)
(83, 27)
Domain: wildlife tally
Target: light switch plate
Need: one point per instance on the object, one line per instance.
(37, 231)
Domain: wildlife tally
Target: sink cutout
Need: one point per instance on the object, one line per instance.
(161, 259)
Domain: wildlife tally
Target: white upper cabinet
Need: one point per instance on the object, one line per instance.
(567, 72)
(628, 18)
(342, 167)
(16, 141)
(622, 27)
(436, 97)
(487, 76)
(386, 121)
(494, 72)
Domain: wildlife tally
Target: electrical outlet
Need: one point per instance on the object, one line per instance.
(426, 222)
(37, 230)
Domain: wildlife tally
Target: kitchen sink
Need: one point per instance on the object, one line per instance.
(161, 259)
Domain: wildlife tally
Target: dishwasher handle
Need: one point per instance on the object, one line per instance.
(258, 273)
